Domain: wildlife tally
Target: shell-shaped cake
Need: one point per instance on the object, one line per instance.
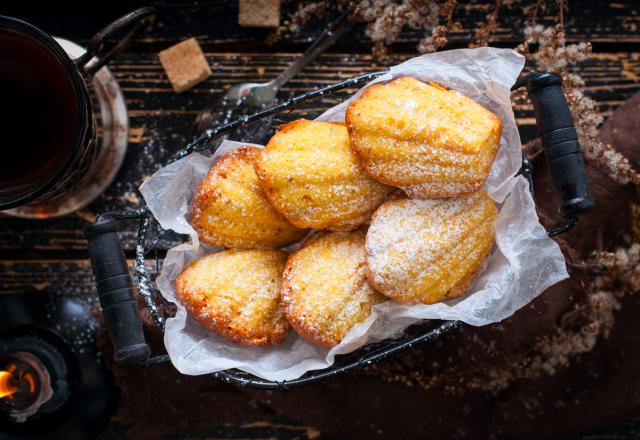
(235, 293)
(230, 208)
(311, 176)
(425, 251)
(325, 290)
(430, 141)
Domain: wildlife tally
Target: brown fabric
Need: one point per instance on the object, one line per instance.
(158, 402)
(622, 128)
(598, 389)
(605, 227)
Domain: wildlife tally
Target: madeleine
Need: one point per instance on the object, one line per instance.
(230, 209)
(325, 290)
(428, 140)
(425, 251)
(235, 293)
(312, 177)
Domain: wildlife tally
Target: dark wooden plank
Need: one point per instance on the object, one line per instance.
(270, 427)
(214, 23)
(71, 277)
(161, 120)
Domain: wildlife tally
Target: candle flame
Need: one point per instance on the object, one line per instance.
(7, 389)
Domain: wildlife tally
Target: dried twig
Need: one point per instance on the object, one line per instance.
(485, 30)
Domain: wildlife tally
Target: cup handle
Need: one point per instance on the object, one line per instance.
(140, 19)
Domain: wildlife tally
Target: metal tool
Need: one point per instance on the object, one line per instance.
(259, 95)
(563, 156)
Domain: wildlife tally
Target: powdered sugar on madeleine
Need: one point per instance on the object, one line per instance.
(419, 250)
(424, 137)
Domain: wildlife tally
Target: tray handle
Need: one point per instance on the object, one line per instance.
(560, 144)
(115, 291)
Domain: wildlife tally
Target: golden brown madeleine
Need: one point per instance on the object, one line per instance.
(311, 176)
(230, 208)
(325, 290)
(430, 141)
(235, 293)
(425, 251)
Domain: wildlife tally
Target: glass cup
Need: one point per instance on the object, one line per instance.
(52, 117)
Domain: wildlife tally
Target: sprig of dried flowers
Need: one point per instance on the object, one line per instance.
(385, 19)
(553, 54)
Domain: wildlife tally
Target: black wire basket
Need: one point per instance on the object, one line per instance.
(116, 289)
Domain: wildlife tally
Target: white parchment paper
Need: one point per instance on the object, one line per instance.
(523, 263)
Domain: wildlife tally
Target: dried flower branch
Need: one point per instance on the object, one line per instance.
(485, 30)
(617, 271)
(438, 37)
(553, 54)
(300, 17)
(385, 20)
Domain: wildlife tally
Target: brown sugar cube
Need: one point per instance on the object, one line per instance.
(259, 13)
(185, 64)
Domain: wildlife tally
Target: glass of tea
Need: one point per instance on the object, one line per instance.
(51, 161)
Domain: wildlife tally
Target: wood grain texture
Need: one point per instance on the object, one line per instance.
(161, 119)
(51, 255)
(214, 23)
(71, 276)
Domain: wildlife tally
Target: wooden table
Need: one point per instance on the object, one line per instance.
(51, 255)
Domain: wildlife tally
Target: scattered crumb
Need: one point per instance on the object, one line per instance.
(131, 197)
(85, 215)
(136, 134)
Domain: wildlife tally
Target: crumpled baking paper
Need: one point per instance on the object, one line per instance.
(523, 263)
